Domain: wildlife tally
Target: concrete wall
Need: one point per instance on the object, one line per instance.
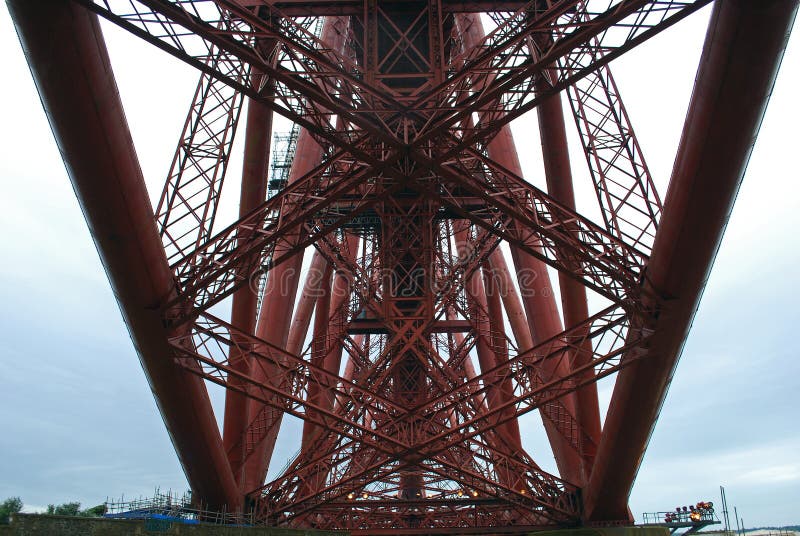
(44, 525)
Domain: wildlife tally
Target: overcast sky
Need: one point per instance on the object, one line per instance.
(78, 422)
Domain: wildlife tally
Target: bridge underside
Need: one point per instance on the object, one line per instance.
(421, 325)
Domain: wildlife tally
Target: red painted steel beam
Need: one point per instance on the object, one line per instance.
(253, 192)
(511, 301)
(743, 50)
(558, 174)
(500, 89)
(319, 8)
(69, 61)
(331, 323)
(469, 367)
(539, 303)
(544, 321)
(319, 348)
(279, 298)
(499, 346)
(305, 305)
(265, 424)
(498, 392)
(276, 311)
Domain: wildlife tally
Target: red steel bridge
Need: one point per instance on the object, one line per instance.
(393, 292)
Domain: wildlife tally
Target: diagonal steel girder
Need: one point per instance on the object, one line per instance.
(629, 200)
(188, 205)
(401, 338)
(549, 492)
(315, 92)
(533, 393)
(65, 49)
(295, 375)
(628, 345)
(308, 94)
(621, 11)
(553, 348)
(529, 218)
(742, 53)
(498, 82)
(603, 262)
(451, 283)
(330, 194)
(222, 373)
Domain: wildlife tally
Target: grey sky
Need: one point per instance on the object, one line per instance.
(77, 420)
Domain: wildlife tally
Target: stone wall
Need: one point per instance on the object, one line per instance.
(44, 525)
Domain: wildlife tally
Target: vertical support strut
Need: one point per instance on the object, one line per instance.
(319, 347)
(274, 321)
(539, 303)
(330, 327)
(743, 50)
(243, 310)
(497, 390)
(276, 314)
(312, 288)
(558, 173)
(499, 347)
(69, 61)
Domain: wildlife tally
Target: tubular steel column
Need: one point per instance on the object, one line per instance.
(741, 56)
(558, 173)
(243, 314)
(67, 55)
(319, 347)
(305, 305)
(539, 302)
(279, 297)
(499, 346)
(276, 314)
(498, 391)
(330, 328)
(511, 301)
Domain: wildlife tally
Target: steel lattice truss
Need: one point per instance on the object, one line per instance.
(406, 204)
(421, 327)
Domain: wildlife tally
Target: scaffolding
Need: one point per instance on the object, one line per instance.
(284, 145)
(174, 508)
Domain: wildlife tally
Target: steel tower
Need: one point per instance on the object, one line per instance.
(392, 287)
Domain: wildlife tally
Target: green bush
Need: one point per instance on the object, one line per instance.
(12, 505)
(74, 509)
(66, 509)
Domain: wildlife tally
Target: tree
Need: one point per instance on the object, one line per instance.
(66, 509)
(95, 511)
(12, 505)
(74, 509)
